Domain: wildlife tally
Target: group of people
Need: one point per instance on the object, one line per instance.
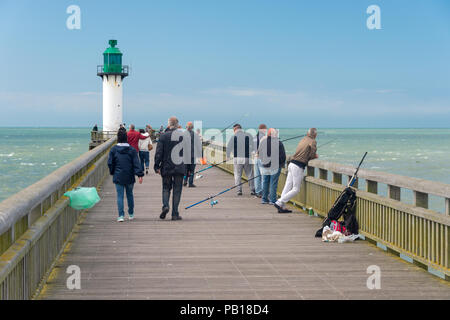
(130, 156)
(261, 157)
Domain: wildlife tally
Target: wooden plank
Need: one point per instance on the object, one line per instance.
(239, 249)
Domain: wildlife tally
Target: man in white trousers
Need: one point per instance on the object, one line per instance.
(306, 150)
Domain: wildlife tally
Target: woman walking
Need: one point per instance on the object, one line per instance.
(145, 146)
(123, 165)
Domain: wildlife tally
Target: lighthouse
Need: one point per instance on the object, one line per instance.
(112, 73)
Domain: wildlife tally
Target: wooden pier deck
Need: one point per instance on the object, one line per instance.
(240, 249)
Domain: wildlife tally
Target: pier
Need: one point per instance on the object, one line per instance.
(239, 249)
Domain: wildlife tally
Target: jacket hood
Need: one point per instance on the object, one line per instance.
(123, 148)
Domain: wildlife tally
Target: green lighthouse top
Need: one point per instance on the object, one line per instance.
(112, 61)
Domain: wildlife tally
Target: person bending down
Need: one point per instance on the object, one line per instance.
(306, 150)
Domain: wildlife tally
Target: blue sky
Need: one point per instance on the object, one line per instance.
(285, 63)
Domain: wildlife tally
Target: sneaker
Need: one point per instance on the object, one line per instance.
(120, 219)
(284, 211)
(176, 218)
(264, 202)
(253, 193)
(192, 186)
(259, 195)
(146, 171)
(131, 217)
(164, 212)
(185, 183)
(239, 193)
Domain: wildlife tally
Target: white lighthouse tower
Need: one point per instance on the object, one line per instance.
(112, 73)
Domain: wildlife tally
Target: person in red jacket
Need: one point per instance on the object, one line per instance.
(134, 137)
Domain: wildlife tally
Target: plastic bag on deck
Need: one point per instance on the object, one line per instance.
(83, 198)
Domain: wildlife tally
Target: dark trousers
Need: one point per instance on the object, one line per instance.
(169, 183)
(190, 169)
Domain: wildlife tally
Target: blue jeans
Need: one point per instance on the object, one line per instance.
(144, 156)
(258, 180)
(270, 185)
(130, 200)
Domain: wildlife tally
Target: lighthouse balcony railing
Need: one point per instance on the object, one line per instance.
(123, 72)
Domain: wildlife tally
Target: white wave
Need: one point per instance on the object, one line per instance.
(6, 154)
(26, 164)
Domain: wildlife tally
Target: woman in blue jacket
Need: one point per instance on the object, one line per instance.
(123, 163)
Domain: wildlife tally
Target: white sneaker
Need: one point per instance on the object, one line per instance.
(131, 217)
(120, 219)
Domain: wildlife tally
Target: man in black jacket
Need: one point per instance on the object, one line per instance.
(170, 167)
(195, 151)
(123, 163)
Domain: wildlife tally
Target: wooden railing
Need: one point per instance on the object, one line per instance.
(412, 231)
(36, 222)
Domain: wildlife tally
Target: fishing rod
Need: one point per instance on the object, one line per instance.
(222, 192)
(240, 184)
(353, 179)
(216, 164)
(233, 123)
(324, 144)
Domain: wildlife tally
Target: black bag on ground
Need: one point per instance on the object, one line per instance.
(345, 205)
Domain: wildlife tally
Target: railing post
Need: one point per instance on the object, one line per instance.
(372, 186)
(337, 178)
(421, 199)
(394, 192)
(323, 174)
(447, 206)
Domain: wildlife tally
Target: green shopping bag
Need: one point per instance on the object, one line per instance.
(83, 198)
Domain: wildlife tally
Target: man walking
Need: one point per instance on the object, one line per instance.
(241, 145)
(134, 137)
(306, 150)
(262, 129)
(196, 152)
(171, 170)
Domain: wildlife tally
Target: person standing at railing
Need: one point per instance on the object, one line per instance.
(262, 129)
(123, 163)
(306, 150)
(95, 128)
(272, 158)
(134, 137)
(145, 146)
(171, 170)
(196, 152)
(241, 146)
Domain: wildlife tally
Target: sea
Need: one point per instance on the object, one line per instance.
(29, 154)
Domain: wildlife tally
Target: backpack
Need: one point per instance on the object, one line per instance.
(344, 205)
